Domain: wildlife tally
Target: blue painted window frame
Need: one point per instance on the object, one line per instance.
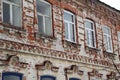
(12, 73)
(47, 76)
(74, 79)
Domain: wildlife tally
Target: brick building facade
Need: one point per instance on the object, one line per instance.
(59, 40)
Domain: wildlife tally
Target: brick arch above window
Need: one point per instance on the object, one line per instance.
(53, 2)
(69, 8)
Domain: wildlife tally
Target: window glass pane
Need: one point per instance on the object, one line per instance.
(119, 36)
(106, 30)
(6, 13)
(110, 45)
(16, 16)
(40, 24)
(43, 8)
(68, 17)
(87, 36)
(66, 30)
(11, 77)
(15, 1)
(89, 25)
(48, 27)
(72, 36)
(105, 42)
(92, 39)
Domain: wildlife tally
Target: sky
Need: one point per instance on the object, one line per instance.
(112, 3)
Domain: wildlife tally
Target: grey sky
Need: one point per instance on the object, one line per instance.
(112, 3)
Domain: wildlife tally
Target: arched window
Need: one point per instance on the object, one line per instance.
(11, 76)
(44, 13)
(47, 78)
(90, 33)
(107, 38)
(69, 24)
(74, 79)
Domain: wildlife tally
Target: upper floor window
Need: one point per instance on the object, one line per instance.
(70, 28)
(11, 76)
(12, 12)
(107, 39)
(44, 17)
(90, 33)
(47, 78)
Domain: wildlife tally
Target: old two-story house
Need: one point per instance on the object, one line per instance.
(59, 40)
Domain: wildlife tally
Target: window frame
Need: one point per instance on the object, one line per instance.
(73, 23)
(47, 76)
(20, 75)
(107, 41)
(44, 16)
(11, 12)
(94, 34)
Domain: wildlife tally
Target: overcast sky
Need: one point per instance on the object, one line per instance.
(112, 3)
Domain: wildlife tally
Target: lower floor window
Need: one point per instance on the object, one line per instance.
(11, 76)
(47, 78)
(74, 79)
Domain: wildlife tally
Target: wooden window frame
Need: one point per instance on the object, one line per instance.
(108, 36)
(11, 13)
(51, 18)
(73, 23)
(94, 34)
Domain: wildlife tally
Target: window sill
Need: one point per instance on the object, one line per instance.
(109, 54)
(12, 26)
(43, 36)
(72, 43)
(92, 48)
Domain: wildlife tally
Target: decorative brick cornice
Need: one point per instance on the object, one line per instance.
(39, 50)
